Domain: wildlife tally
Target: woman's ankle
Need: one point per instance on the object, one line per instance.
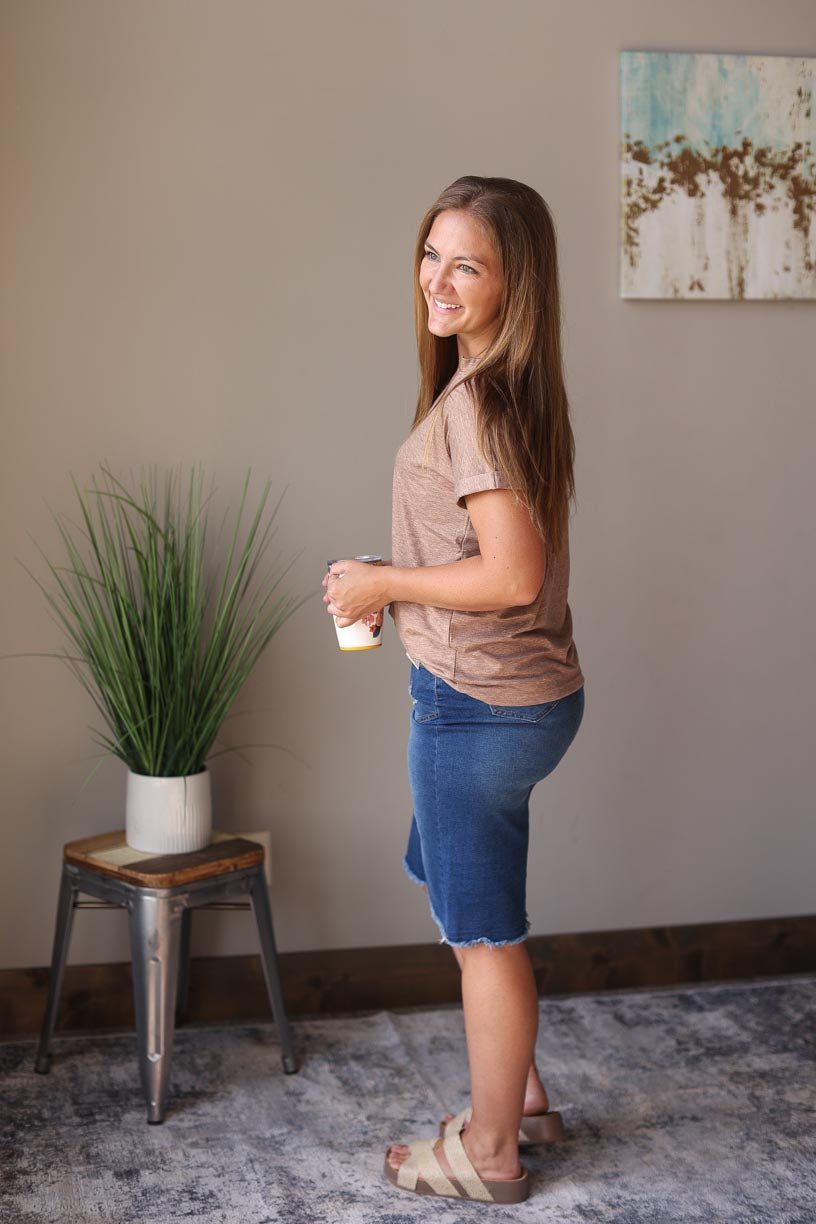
(488, 1145)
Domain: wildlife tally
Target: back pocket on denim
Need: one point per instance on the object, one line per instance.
(525, 713)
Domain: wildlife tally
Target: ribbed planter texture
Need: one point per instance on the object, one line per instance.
(168, 815)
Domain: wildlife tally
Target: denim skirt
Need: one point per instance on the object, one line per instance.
(472, 767)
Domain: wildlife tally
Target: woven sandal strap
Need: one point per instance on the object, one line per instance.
(455, 1125)
(463, 1170)
(423, 1163)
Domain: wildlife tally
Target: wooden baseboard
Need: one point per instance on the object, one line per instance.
(231, 988)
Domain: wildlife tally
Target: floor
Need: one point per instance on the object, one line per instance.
(693, 1105)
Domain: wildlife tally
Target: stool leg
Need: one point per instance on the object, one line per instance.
(62, 936)
(155, 938)
(184, 966)
(259, 896)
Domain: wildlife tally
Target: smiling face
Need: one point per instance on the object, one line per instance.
(460, 280)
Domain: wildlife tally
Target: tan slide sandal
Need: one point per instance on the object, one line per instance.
(422, 1173)
(540, 1128)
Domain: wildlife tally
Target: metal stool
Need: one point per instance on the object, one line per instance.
(160, 893)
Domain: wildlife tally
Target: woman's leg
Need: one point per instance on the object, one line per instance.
(536, 1100)
(473, 825)
(500, 1003)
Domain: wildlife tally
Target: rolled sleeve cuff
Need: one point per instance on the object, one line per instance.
(477, 484)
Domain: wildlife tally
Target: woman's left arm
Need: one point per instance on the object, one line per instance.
(507, 572)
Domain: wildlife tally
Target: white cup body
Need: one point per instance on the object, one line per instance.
(364, 634)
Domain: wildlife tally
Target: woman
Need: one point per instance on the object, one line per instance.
(477, 588)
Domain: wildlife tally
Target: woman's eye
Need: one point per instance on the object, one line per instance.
(467, 267)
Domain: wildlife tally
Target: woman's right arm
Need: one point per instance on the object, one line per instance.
(507, 572)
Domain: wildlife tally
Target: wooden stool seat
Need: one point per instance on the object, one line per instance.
(160, 892)
(110, 853)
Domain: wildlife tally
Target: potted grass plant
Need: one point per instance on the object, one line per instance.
(163, 635)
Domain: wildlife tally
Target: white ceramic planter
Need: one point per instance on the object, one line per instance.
(168, 815)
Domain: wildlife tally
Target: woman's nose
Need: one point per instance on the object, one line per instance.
(439, 280)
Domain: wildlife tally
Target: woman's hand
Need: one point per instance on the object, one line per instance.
(362, 588)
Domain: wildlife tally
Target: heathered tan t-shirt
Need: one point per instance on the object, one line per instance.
(515, 656)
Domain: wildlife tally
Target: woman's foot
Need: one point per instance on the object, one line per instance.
(490, 1162)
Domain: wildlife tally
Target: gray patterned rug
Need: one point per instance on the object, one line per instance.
(681, 1105)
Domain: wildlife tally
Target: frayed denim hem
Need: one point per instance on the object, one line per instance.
(465, 943)
(411, 875)
(471, 943)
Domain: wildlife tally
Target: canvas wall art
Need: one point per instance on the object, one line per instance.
(718, 176)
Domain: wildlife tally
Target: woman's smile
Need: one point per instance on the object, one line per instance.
(445, 307)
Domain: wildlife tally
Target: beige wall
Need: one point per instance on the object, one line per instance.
(208, 213)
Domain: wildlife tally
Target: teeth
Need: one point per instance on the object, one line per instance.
(446, 305)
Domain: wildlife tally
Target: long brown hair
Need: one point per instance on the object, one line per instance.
(518, 385)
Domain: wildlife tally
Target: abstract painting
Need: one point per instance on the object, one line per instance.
(718, 176)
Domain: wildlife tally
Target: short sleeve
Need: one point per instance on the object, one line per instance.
(470, 472)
